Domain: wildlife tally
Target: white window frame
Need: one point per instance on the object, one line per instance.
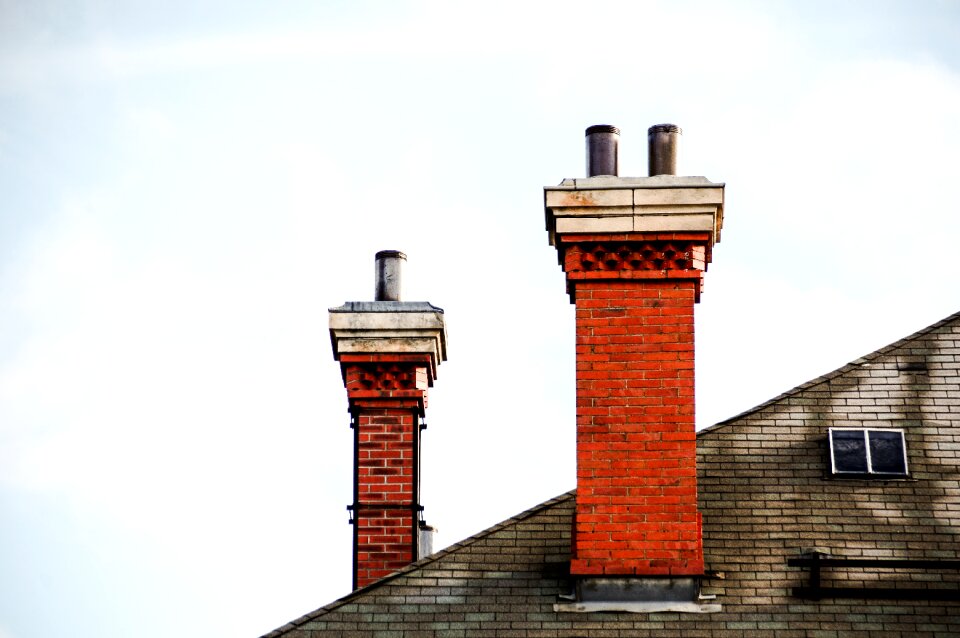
(866, 439)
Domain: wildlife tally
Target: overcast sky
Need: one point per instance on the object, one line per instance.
(186, 187)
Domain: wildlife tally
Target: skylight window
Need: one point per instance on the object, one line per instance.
(868, 452)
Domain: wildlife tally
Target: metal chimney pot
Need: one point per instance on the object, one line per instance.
(602, 150)
(663, 141)
(388, 269)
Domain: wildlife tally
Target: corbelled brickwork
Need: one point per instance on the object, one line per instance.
(766, 495)
(386, 375)
(635, 256)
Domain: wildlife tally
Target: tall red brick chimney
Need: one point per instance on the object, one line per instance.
(634, 250)
(388, 351)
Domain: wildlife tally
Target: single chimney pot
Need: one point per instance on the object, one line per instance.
(663, 141)
(388, 272)
(602, 150)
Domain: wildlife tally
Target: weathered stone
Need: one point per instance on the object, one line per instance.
(396, 327)
(665, 203)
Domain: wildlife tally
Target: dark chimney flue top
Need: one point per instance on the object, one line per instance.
(388, 271)
(663, 142)
(602, 150)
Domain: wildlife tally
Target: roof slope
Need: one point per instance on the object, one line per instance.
(866, 359)
(525, 558)
(766, 495)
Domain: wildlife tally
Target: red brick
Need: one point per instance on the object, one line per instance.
(636, 446)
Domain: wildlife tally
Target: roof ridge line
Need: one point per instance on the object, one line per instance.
(470, 540)
(856, 363)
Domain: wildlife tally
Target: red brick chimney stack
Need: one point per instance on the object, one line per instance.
(634, 251)
(388, 351)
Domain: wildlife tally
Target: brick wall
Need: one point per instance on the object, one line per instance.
(386, 524)
(387, 395)
(636, 449)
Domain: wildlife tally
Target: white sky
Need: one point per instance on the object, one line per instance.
(186, 187)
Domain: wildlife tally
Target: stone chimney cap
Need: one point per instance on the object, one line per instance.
(389, 328)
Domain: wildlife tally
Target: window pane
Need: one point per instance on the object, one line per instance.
(849, 451)
(886, 452)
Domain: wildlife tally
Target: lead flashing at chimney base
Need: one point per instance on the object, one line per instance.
(638, 595)
(389, 352)
(634, 251)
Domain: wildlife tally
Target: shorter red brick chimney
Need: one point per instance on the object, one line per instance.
(388, 351)
(634, 250)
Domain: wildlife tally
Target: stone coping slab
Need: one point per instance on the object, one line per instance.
(605, 204)
(389, 327)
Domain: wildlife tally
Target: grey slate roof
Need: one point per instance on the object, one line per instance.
(518, 564)
(913, 351)
(766, 495)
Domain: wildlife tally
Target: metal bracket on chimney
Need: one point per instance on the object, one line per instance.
(356, 507)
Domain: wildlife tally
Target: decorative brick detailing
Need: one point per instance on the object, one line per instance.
(636, 449)
(679, 256)
(648, 255)
(386, 377)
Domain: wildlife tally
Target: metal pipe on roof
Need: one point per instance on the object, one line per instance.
(602, 150)
(662, 148)
(388, 273)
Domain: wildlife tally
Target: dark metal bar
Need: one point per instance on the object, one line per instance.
(414, 507)
(355, 424)
(415, 522)
(817, 562)
(815, 571)
(873, 562)
(890, 593)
